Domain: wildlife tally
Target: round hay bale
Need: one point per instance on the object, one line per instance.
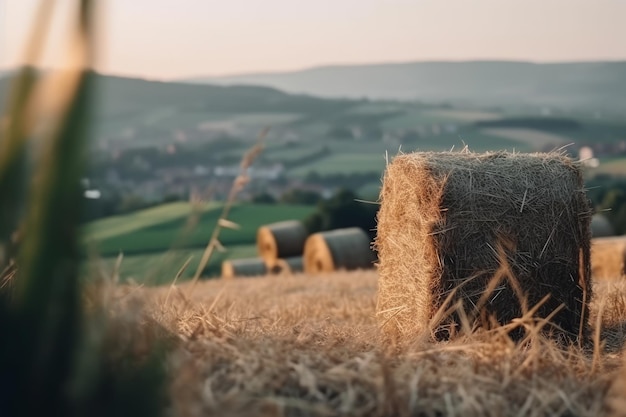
(248, 267)
(280, 240)
(338, 249)
(601, 227)
(496, 232)
(608, 258)
(291, 265)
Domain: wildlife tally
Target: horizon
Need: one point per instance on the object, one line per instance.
(322, 66)
(154, 40)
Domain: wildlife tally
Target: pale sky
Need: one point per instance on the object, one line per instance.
(166, 39)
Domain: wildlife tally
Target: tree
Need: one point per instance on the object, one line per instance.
(296, 196)
(263, 198)
(343, 210)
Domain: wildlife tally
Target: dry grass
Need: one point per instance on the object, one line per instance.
(303, 345)
(608, 257)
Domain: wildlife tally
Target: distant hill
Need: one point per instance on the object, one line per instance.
(595, 85)
(121, 95)
(152, 109)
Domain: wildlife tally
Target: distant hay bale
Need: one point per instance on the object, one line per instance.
(291, 265)
(248, 267)
(608, 258)
(601, 227)
(280, 240)
(495, 231)
(338, 249)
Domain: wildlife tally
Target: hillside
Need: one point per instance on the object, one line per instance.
(153, 141)
(597, 85)
(146, 112)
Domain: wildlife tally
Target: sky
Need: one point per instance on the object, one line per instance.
(169, 39)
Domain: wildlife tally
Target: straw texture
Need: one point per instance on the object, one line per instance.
(495, 232)
(608, 258)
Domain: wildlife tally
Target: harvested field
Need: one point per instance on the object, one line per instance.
(309, 346)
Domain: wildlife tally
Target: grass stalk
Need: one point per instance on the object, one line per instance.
(240, 181)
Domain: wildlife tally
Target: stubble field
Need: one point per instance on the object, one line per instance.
(309, 346)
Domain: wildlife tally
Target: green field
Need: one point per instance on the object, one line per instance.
(118, 225)
(420, 117)
(161, 268)
(531, 137)
(183, 230)
(463, 115)
(156, 242)
(612, 166)
(343, 163)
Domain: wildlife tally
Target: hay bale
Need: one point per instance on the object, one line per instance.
(280, 240)
(608, 258)
(248, 267)
(291, 265)
(601, 227)
(338, 249)
(456, 220)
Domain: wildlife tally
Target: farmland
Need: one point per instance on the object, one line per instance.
(162, 141)
(307, 345)
(156, 242)
(111, 187)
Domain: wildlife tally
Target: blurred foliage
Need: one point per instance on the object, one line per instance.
(58, 358)
(608, 196)
(263, 198)
(300, 196)
(343, 210)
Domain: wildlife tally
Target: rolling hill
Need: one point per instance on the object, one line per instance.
(153, 109)
(589, 85)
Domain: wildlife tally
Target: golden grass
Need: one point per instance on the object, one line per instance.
(309, 345)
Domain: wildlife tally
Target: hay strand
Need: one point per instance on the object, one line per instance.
(280, 240)
(338, 249)
(450, 223)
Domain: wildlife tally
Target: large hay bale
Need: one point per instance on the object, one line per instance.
(608, 258)
(338, 249)
(248, 267)
(450, 222)
(280, 240)
(601, 227)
